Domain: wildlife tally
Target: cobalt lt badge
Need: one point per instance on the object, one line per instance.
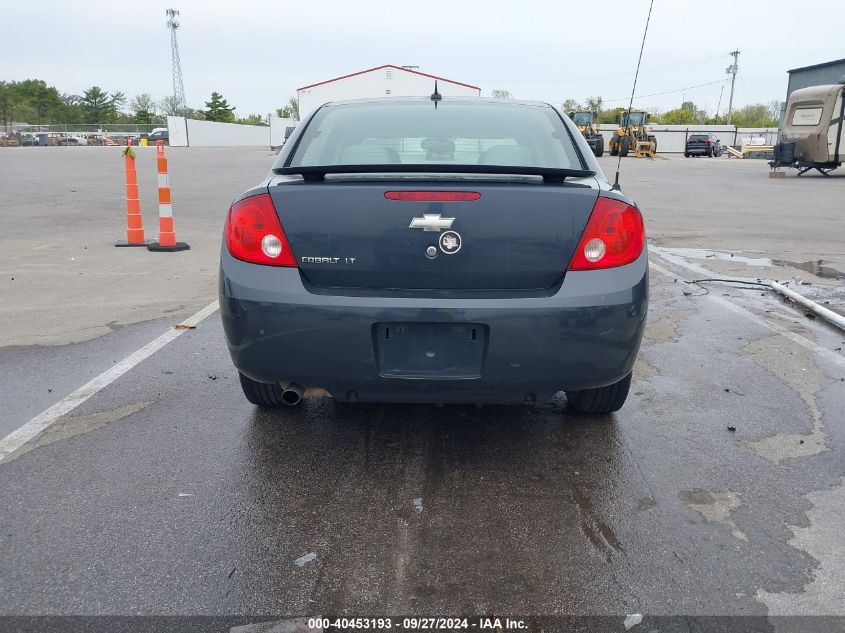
(450, 242)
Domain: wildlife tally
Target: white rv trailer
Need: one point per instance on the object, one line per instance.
(813, 135)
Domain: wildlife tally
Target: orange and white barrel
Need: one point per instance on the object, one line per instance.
(166, 234)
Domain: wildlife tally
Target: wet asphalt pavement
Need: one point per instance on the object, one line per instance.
(167, 493)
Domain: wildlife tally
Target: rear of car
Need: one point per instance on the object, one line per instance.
(462, 251)
(158, 135)
(702, 145)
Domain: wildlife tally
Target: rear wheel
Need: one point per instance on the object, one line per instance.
(653, 140)
(626, 145)
(686, 154)
(614, 145)
(261, 394)
(601, 400)
(598, 149)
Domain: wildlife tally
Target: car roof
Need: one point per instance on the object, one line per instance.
(444, 100)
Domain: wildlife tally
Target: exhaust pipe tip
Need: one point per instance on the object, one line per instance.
(292, 395)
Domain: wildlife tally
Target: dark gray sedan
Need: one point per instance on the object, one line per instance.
(435, 250)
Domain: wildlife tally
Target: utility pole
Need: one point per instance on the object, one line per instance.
(732, 70)
(178, 84)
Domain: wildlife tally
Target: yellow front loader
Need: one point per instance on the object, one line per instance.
(633, 135)
(585, 120)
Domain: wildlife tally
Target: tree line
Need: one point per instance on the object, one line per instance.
(34, 102)
(752, 115)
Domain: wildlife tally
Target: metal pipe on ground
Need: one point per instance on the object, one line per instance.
(828, 315)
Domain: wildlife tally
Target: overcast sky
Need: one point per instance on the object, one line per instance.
(256, 53)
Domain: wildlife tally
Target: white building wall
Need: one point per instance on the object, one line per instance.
(383, 82)
(177, 131)
(184, 132)
(215, 134)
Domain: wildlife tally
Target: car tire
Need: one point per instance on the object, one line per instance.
(626, 145)
(601, 400)
(686, 154)
(261, 394)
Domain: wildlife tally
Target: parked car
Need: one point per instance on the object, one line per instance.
(502, 272)
(158, 135)
(29, 140)
(703, 145)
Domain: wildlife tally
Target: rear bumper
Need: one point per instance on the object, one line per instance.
(585, 335)
(698, 150)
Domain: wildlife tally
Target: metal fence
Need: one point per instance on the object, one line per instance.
(119, 129)
(672, 138)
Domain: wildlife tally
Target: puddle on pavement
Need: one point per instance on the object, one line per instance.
(822, 540)
(816, 267)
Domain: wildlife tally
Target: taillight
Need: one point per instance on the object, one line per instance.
(254, 234)
(708, 142)
(614, 236)
(432, 196)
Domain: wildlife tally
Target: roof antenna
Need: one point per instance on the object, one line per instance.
(616, 186)
(436, 96)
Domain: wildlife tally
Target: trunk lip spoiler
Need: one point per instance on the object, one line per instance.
(550, 175)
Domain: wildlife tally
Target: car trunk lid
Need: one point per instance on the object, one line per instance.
(515, 235)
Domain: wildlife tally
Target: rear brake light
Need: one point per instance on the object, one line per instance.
(432, 196)
(614, 236)
(254, 234)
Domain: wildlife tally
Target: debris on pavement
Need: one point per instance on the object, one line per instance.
(185, 326)
(632, 620)
(732, 429)
(305, 559)
(212, 377)
(418, 504)
(185, 494)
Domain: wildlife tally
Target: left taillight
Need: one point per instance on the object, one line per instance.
(614, 236)
(254, 234)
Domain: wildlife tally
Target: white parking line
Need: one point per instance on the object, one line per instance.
(20, 436)
(766, 323)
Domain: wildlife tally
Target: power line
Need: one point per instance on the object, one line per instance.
(668, 92)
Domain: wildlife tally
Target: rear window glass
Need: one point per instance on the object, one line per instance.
(455, 133)
(698, 137)
(807, 116)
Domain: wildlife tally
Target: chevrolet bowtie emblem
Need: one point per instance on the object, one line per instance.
(431, 222)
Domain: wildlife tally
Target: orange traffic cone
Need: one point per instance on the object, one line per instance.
(134, 224)
(166, 235)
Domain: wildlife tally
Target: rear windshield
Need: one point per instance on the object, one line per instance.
(454, 133)
(698, 137)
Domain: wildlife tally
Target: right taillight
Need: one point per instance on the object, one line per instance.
(254, 234)
(614, 236)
